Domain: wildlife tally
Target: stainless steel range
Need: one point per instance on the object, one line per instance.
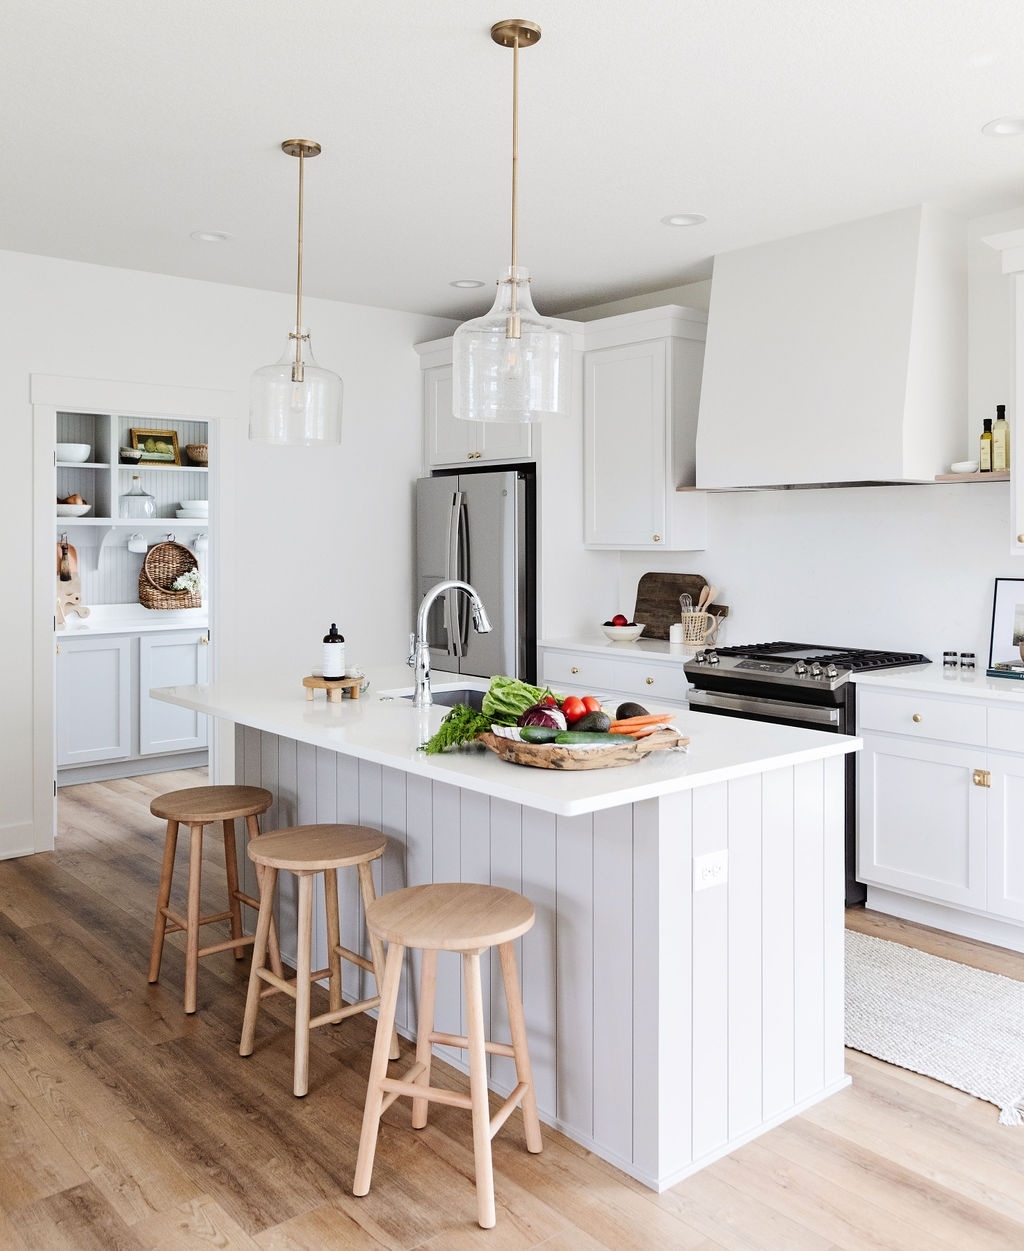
(803, 684)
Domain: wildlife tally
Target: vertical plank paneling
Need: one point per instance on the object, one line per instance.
(287, 813)
(808, 956)
(538, 951)
(419, 867)
(574, 955)
(613, 976)
(745, 979)
(447, 841)
(833, 944)
(347, 791)
(305, 814)
(391, 872)
(475, 866)
(353, 920)
(506, 855)
(710, 978)
(777, 938)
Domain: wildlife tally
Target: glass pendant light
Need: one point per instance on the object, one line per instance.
(296, 400)
(510, 365)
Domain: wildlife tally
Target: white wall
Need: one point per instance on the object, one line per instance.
(308, 536)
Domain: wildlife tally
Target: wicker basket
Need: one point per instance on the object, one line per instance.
(198, 453)
(163, 563)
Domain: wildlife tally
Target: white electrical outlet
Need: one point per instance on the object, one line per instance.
(711, 869)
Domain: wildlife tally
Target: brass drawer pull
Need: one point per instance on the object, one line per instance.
(649, 681)
(981, 777)
(574, 669)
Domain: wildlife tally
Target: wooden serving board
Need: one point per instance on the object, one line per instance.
(657, 600)
(552, 756)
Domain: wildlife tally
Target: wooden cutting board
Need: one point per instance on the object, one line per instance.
(551, 756)
(657, 600)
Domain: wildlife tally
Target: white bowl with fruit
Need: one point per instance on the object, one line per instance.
(621, 630)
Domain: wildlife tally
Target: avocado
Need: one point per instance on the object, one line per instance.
(630, 710)
(593, 722)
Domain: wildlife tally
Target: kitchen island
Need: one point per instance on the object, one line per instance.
(683, 983)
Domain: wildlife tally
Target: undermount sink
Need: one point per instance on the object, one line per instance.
(460, 695)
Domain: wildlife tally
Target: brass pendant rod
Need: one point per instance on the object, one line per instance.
(297, 370)
(515, 155)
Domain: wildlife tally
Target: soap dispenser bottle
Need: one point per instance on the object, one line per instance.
(334, 655)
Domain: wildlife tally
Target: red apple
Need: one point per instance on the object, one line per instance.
(619, 620)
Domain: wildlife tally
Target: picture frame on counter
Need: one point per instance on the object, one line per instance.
(1006, 649)
(158, 447)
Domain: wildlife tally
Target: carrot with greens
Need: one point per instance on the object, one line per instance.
(639, 723)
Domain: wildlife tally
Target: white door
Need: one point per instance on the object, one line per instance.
(173, 659)
(94, 699)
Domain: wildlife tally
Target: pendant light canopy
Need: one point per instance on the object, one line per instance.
(296, 400)
(510, 365)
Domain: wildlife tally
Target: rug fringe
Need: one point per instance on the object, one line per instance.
(1011, 1114)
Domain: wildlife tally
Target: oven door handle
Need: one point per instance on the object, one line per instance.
(806, 714)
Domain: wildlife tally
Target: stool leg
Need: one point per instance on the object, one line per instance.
(195, 877)
(231, 873)
(477, 1056)
(259, 961)
(303, 968)
(378, 1069)
(163, 898)
(252, 825)
(333, 938)
(369, 894)
(424, 1028)
(517, 1025)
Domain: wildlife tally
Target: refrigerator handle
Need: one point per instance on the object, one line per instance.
(452, 607)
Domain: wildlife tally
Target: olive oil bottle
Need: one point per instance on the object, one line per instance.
(985, 447)
(1000, 440)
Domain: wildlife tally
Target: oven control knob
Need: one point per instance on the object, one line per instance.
(800, 668)
(711, 658)
(831, 672)
(815, 670)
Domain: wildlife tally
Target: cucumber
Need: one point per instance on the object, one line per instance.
(583, 738)
(630, 710)
(538, 733)
(599, 721)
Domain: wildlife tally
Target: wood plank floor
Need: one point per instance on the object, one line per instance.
(125, 1124)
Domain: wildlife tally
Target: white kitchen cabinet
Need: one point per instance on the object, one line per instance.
(641, 390)
(645, 678)
(941, 802)
(107, 724)
(1011, 246)
(94, 700)
(177, 659)
(449, 441)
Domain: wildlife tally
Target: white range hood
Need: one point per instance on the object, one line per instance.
(837, 357)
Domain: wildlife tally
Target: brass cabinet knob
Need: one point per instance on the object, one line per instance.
(656, 538)
(1020, 538)
(204, 641)
(649, 681)
(574, 669)
(917, 716)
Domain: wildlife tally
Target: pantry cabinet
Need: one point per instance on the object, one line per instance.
(449, 441)
(641, 391)
(941, 801)
(104, 711)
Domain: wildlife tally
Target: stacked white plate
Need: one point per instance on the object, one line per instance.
(195, 510)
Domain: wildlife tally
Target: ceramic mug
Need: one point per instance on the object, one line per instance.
(698, 627)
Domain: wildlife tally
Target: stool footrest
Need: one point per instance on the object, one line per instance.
(240, 941)
(180, 924)
(460, 1040)
(414, 1090)
(508, 1107)
(353, 957)
(339, 1014)
(242, 897)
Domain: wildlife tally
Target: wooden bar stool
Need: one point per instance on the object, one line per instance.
(196, 807)
(462, 917)
(307, 850)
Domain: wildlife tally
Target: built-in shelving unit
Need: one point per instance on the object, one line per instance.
(995, 475)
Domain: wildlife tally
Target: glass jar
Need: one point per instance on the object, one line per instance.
(137, 503)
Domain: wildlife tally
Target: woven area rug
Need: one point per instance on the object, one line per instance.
(962, 1026)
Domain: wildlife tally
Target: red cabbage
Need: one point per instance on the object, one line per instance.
(544, 714)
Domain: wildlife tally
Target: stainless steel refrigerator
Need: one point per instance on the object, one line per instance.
(479, 526)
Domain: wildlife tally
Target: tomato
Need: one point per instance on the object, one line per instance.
(591, 703)
(573, 707)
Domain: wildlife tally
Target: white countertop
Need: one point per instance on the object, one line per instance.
(389, 731)
(133, 619)
(934, 679)
(639, 649)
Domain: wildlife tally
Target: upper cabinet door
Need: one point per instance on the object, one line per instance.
(452, 442)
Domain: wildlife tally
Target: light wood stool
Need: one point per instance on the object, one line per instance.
(196, 807)
(307, 850)
(467, 918)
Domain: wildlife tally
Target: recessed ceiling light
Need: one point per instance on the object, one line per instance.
(683, 219)
(466, 282)
(210, 236)
(1003, 127)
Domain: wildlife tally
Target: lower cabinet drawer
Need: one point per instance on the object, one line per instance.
(652, 682)
(643, 681)
(922, 716)
(1006, 729)
(561, 669)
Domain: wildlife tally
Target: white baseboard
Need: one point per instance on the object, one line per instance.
(984, 929)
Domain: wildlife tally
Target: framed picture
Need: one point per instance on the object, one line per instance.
(1007, 649)
(158, 447)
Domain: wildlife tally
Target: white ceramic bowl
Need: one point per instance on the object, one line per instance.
(72, 510)
(183, 514)
(964, 466)
(77, 452)
(130, 455)
(195, 506)
(623, 634)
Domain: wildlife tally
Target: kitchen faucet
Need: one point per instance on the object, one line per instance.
(419, 654)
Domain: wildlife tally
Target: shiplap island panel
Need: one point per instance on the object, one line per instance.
(668, 1022)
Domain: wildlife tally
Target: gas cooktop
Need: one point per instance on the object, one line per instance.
(793, 664)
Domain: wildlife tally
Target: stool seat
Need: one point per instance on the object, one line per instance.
(467, 918)
(196, 807)
(450, 916)
(211, 803)
(305, 851)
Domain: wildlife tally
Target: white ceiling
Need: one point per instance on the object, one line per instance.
(129, 124)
